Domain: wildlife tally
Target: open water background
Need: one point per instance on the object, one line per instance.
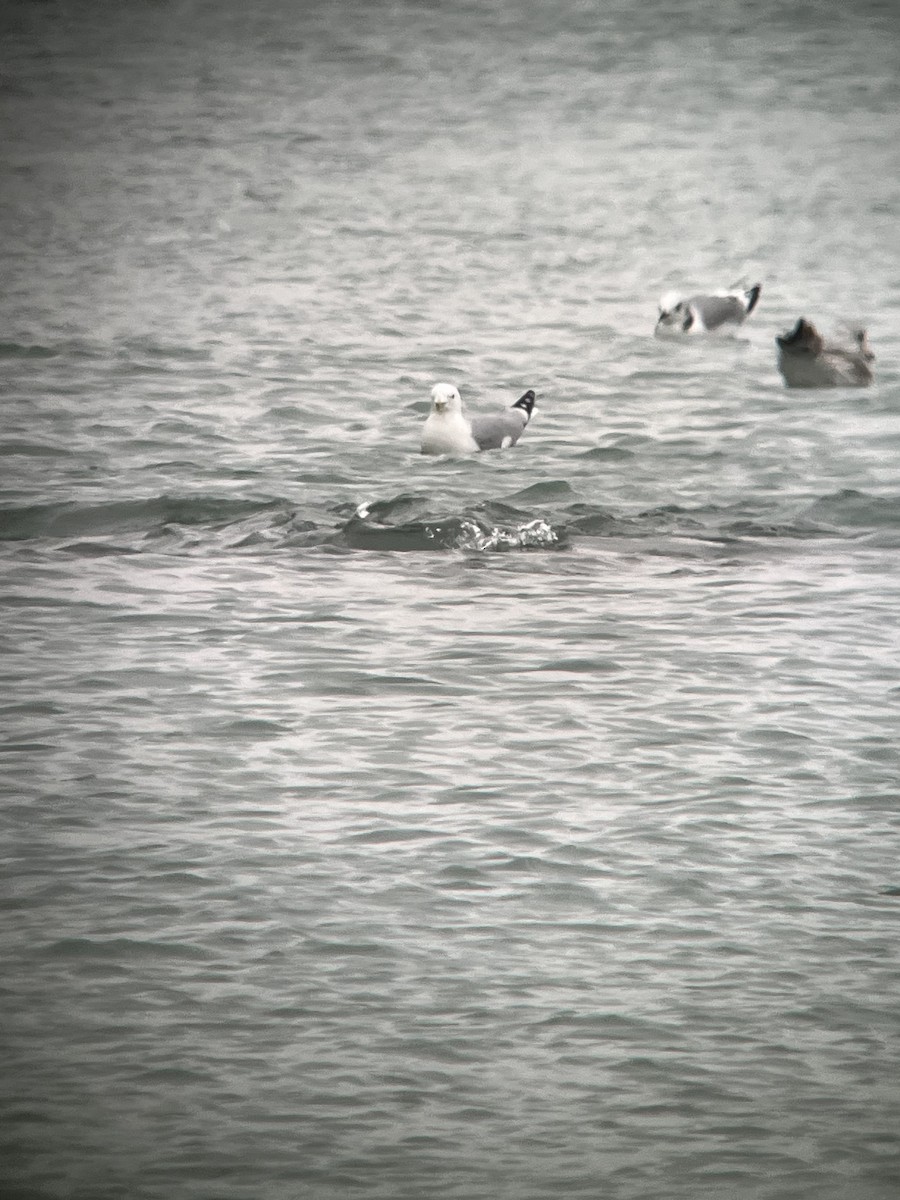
(518, 827)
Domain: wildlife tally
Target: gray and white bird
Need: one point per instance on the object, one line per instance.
(449, 431)
(680, 315)
(805, 359)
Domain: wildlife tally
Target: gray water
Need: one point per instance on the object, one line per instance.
(504, 828)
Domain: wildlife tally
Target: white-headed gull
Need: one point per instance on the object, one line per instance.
(449, 431)
(680, 315)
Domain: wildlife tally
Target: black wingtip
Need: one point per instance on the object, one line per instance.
(526, 402)
(752, 297)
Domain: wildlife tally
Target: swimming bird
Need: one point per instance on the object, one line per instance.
(449, 431)
(704, 313)
(805, 359)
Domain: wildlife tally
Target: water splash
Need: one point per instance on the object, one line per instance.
(533, 534)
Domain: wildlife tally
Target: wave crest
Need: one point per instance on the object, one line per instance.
(404, 523)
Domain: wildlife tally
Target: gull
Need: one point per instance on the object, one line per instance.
(805, 359)
(704, 313)
(449, 431)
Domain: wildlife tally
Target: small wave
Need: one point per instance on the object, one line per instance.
(828, 518)
(122, 950)
(403, 523)
(148, 517)
(26, 350)
(204, 523)
(849, 508)
(607, 454)
(547, 490)
(68, 349)
(21, 449)
(146, 353)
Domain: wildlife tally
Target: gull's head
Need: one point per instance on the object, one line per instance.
(671, 308)
(445, 398)
(675, 314)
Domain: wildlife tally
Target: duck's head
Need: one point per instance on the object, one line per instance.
(804, 338)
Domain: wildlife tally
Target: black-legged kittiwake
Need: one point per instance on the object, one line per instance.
(704, 313)
(449, 431)
(805, 359)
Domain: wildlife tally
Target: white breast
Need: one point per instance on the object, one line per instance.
(447, 433)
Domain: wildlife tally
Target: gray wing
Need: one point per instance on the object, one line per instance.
(491, 433)
(718, 310)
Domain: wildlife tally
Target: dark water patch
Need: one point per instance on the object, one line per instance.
(750, 528)
(606, 454)
(161, 445)
(26, 747)
(612, 1024)
(121, 949)
(26, 350)
(10, 449)
(710, 523)
(254, 729)
(162, 433)
(463, 879)
(388, 836)
(172, 1076)
(29, 1116)
(439, 534)
(668, 520)
(363, 683)
(285, 414)
(407, 684)
(339, 949)
(11, 600)
(96, 550)
(580, 666)
(153, 352)
(853, 509)
(67, 349)
(131, 677)
(126, 516)
(590, 519)
(290, 532)
(547, 490)
(31, 708)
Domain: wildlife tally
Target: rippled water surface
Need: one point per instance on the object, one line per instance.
(516, 826)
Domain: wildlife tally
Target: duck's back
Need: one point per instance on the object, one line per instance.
(832, 367)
